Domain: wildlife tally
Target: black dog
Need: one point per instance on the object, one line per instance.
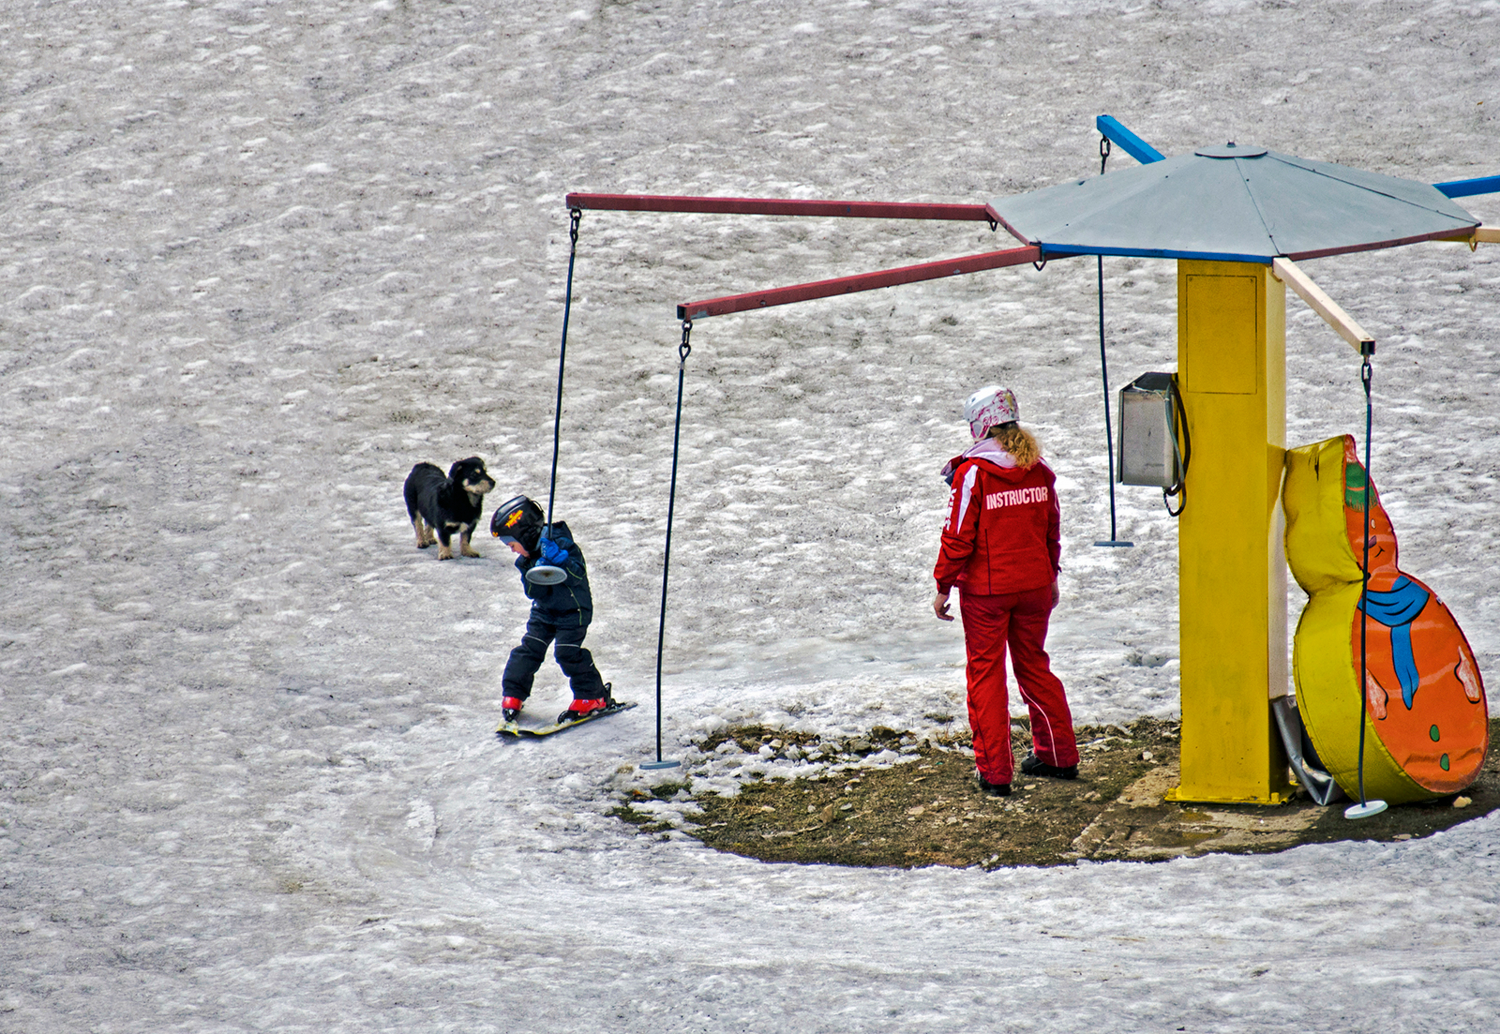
(447, 504)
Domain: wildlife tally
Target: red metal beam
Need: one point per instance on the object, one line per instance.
(773, 206)
(862, 282)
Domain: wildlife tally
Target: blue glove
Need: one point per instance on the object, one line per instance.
(553, 554)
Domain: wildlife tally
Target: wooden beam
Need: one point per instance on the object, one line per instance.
(1289, 273)
(1478, 235)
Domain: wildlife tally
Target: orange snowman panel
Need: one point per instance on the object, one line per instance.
(1423, 693)
(1421, 682)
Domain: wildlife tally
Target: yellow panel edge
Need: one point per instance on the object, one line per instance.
(1176, 796)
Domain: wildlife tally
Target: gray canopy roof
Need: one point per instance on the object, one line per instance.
(1241, 204)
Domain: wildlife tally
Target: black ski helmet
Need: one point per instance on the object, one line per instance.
(519, 520)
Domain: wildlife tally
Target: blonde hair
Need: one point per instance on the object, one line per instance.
(1017, 441)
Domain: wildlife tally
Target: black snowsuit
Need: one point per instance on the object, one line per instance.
(560, 612)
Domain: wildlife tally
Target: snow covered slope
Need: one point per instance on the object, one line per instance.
(257, 259)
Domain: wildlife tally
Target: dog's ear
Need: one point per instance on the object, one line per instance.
(473, 463)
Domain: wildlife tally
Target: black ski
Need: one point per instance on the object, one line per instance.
(516, 729)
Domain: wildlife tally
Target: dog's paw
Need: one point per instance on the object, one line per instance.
(444, 553)
(472, 553)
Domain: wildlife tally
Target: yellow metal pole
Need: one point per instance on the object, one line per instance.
(1231, 364)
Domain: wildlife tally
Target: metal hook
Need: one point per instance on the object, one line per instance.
(685, 349)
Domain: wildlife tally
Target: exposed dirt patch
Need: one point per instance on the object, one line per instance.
(928, 810)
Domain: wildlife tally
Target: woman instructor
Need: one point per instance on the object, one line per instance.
(1000, 547)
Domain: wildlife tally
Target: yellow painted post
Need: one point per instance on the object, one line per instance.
(1231, 363)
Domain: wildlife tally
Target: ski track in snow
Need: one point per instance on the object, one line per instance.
(260, 258)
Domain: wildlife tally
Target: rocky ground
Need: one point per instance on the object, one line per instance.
(926, 809)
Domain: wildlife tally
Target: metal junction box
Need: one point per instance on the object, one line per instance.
(1148, 433)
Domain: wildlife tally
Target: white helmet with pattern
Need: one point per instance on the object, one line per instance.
(989, 407)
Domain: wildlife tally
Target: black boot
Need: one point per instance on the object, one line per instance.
(993, 789)
(1033, 765)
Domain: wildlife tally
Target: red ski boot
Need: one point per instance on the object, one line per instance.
(583, 708)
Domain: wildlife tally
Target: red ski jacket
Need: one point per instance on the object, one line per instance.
(1003, 532)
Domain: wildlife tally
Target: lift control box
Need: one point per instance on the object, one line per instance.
(1149, 453)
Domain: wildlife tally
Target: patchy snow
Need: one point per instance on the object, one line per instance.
(258, 258)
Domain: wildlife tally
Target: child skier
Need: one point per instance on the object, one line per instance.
(560, 612)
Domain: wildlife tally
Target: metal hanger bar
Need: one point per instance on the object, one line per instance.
(1132, 144)
(861, 282)
(777, 206)
(1464, 188)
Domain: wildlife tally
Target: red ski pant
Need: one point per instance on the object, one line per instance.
(1018, 621)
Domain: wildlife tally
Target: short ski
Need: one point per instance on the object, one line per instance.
(516, 729)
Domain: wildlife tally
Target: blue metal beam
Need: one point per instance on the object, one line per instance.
(1068, 251)
(1464, 188)
(1133, 145)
